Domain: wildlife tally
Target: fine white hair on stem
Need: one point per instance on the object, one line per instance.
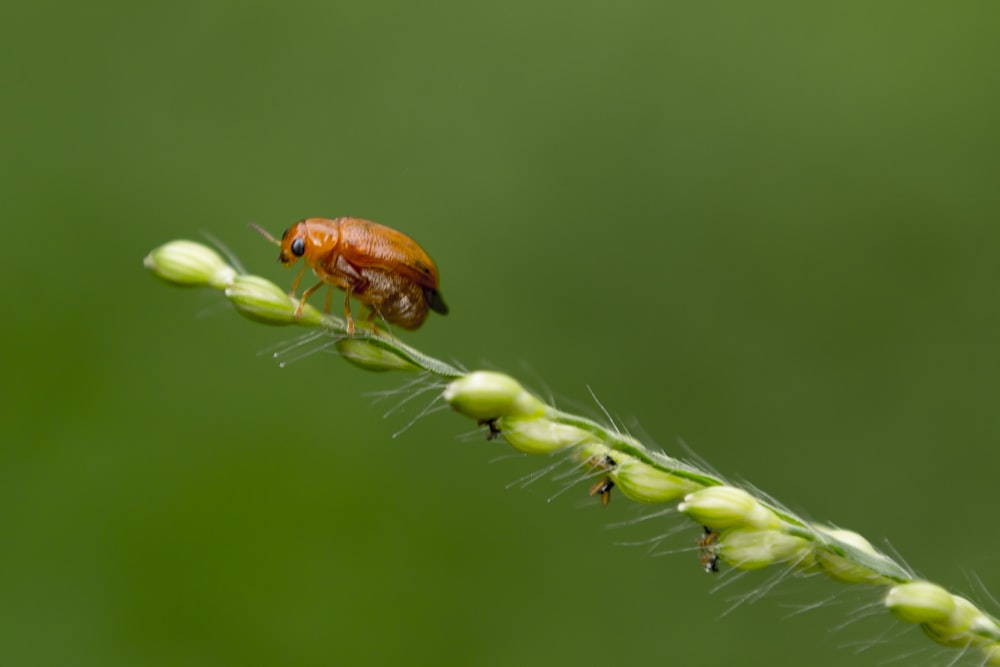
(434, 405)
(676, 551)
(887, 636)
(728, 578)
(802, 609)
(607, 415)
(758, 592)
(532, 477)
(695, 459)
(574, 480)
(857, 614)
(476, 435)
(504, 457)
(645, 517)
(388, 327)
(978, 583)
(410, 391)
(275, 350)
(655, 541)
(905, 657)
(305, 353)
(281, 348)
(575, 474)
(382, 394)
(224, 249)
(298, 348)
(899, 557)
(211, 310)
(414, 393)
(539, 381)
(759, 493)
(635, 429)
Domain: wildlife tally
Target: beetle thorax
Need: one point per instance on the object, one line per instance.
(322, 236)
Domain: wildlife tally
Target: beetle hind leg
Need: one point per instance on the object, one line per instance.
(347, 312)
(372, 314)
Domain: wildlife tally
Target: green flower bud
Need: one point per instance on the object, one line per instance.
(991, 654)
(965, 626)
(645, 484)
(488, 395)
(189, 264)
(538, 435)
(919, 602)
(721, 507)
(752, 549)
(261, 300)
(361, 352)
(844, 569)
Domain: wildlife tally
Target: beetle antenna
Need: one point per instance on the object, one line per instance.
(263, 232)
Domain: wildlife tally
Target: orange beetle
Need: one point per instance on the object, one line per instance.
(383, 268)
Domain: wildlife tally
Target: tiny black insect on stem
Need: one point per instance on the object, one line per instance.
(494, 429)
(708, 550)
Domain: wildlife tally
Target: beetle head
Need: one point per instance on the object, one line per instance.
(312, 238)
(292, 244)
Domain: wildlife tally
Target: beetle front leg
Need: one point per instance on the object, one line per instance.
(305, 295)
(295, 283)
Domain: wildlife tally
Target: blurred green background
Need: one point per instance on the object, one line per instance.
(769, 230)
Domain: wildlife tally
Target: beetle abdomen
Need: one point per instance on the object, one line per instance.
(395, 298)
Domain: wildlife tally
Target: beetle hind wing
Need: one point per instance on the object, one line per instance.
(435, 301)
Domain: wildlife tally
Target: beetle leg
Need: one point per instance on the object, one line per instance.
(348, 270)
(305, 295)
(351, 275)
(372, 313)
(298, 279)
(355, 282)
(347, 312)
(329, 298)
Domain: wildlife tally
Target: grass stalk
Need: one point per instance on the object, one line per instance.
(741, 529)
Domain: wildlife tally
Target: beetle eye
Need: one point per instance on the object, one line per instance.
(299, 247)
